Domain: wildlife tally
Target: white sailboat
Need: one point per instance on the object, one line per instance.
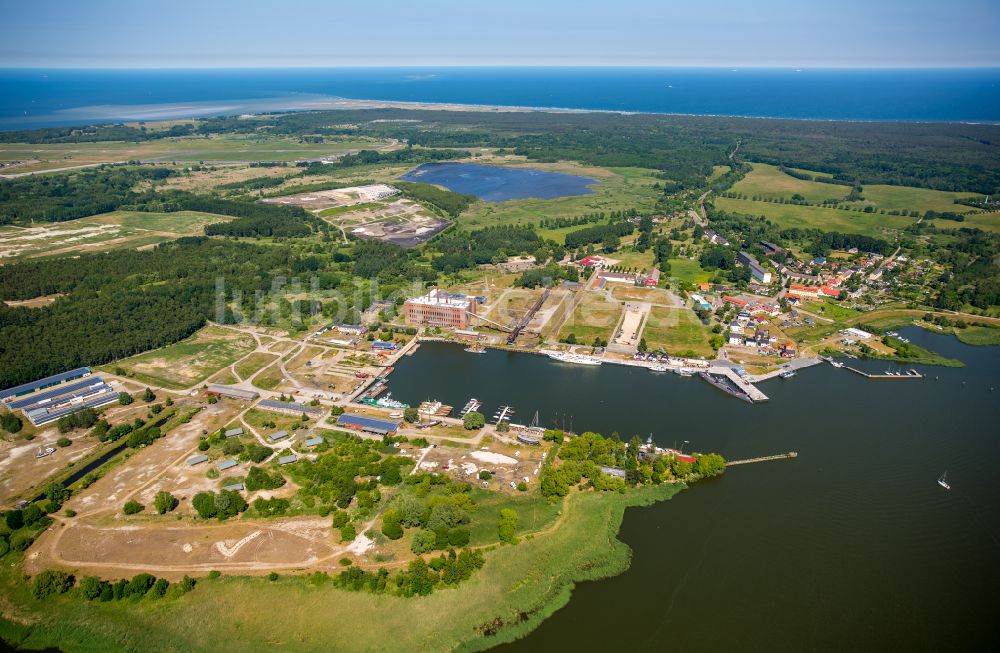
(943, 481)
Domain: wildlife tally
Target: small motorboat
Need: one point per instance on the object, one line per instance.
(943, 481)
(44, 451)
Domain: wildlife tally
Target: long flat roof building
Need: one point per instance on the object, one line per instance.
(367, 424)
(289, 407)
(232, 392)
(50, 406)
(41, 384)
(60, 390)
(277, 435)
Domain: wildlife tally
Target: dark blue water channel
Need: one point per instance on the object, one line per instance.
(851, 546)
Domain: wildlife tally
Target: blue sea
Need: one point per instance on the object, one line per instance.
(36, 98)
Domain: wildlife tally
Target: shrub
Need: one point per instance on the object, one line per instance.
(258, 479)
(4, 546)
(484, 475)
(132, 507)
(271, 507)
(64, 442)
(391, 526)
(160, 587)
(522, 486)
(474, 420)
(139, 585)
(14, 519)
(273, 576)
(229, 504)
(348, 532)
(507, 526)
(124, 398)
(423, 541)
(203, 445)
(164, 502)
(458, 536)
(70, 512)
(346, 562)
(258, 453)
(20, 541)
(51, 582)
(11, 423)
(148, 395)
(91, 587)
(204, 503)
(32, 514)
(232, 447)
(212, 575)
(187, 584)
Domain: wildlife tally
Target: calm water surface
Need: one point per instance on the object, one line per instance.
(852, 546)
(36, 97)
(496, 184)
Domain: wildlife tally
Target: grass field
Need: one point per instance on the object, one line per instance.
(677, 331)
(246, 367)
(116, 230)
(624, 292)
(987, 221)
(594, 317)
(617, 189)
(517, 588)
(190, 361)
(831, 309)
(269, 378)
(256, 418)
(907, 198)
(688, 270)
(767, 181)
(228, 148)
(817, 217)
(633, 259)
(978, 335)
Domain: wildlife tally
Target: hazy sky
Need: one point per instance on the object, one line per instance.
(248, 33)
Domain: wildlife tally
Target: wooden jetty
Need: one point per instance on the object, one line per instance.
(763, 459)
(911, 374)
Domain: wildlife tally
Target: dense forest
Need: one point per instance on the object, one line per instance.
(59, 197)
(371, 157)
(461, 250)
(120, 303)
(959, 157)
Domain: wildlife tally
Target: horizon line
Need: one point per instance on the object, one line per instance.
(734, 67)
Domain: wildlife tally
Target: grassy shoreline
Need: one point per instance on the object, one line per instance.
(517, 589)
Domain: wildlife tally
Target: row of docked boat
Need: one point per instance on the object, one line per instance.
(652, 358)
(472, 406)
(576, 359)
(910, 372)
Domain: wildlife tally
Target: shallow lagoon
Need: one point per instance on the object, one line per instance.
(496, 184)
(851, 546)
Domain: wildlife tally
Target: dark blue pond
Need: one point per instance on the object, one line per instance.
(494, 184)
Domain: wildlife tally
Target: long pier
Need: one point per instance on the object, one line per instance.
(763, 459)
(912, 374)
